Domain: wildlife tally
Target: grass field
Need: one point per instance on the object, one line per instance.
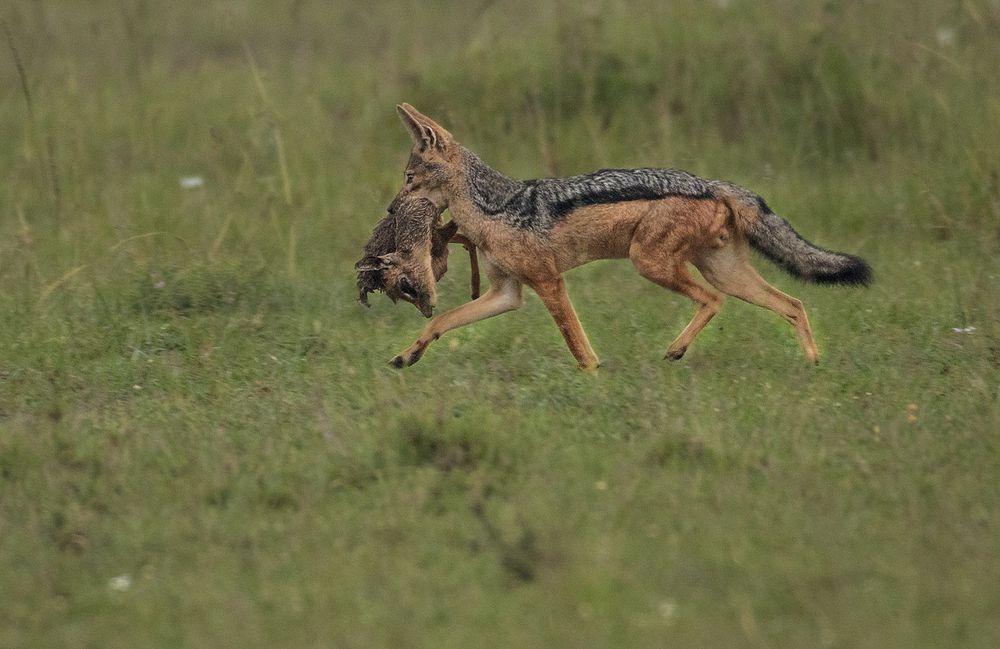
(201, 443)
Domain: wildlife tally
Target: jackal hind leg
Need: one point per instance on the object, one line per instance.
(728, 269)
(556, 300)
(672, 273)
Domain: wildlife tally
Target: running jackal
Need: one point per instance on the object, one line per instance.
(530, 232)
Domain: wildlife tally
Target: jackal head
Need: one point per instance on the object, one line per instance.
(434, 160)
(399, 259)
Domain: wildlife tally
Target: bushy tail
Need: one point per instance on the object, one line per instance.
(773, 237)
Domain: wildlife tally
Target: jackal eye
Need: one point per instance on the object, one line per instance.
(409, 177)
(406, 288)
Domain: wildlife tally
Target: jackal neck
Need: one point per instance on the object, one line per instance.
(491, 191)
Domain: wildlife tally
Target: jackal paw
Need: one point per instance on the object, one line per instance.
(410, 356)
(675, 354)
(406, 360)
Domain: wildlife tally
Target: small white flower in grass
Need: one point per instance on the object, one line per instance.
(668, 610)
(192, 182)
(121, 583)
(963, 330)
(137, 387)
(945, 36)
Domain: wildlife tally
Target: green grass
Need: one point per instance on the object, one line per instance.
(191, 397)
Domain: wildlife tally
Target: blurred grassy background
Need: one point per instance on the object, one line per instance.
(192, 401)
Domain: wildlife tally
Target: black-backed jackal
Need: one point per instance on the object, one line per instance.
(530, 232)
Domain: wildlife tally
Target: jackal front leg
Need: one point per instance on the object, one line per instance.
(553, 294)
(503, 295)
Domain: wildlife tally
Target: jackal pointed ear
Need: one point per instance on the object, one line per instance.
(425, 132)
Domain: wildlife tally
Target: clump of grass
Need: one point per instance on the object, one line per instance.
(448, 444)
(679, 452)
(50, 146)
(21, 74)
(203, 288)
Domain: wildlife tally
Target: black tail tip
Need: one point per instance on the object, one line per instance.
(854, 272)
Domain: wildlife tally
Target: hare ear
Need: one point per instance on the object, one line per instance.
(388, 260)
(381, 262)
(425, 132)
